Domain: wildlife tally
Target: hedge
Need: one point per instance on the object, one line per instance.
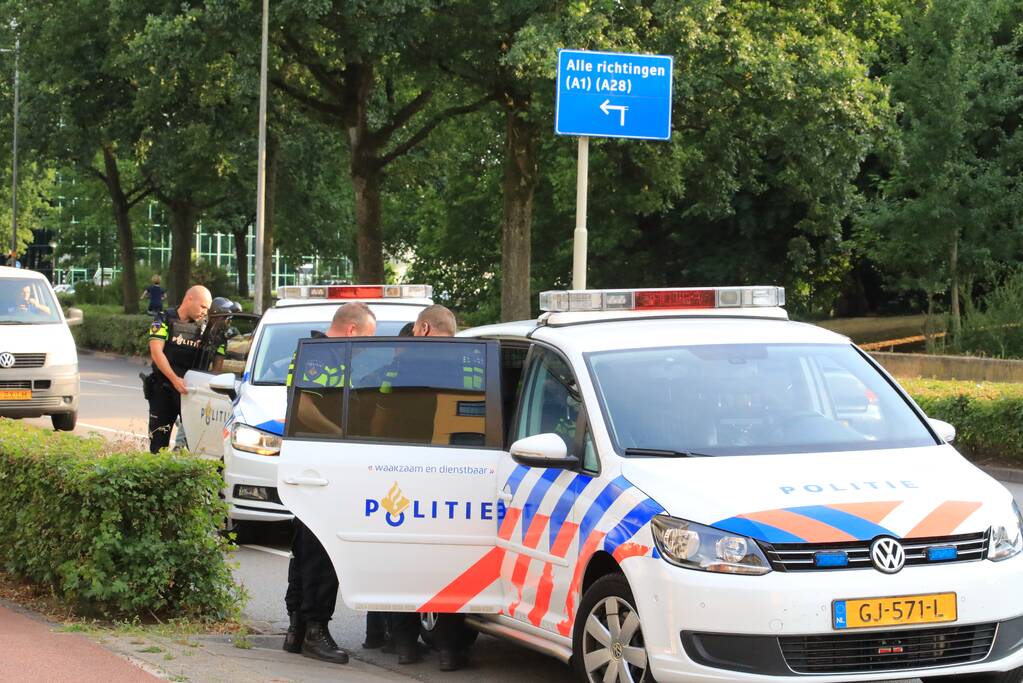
(116, 332)
(988, 416)
(117, 534)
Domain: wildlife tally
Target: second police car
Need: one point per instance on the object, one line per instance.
(239, 415)
(678, 484)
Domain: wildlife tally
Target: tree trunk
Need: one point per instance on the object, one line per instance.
(125, 239)
(367, 177)
(953, 267)
(241, 259)
(520, 177)
(182, 219)
(272, 148)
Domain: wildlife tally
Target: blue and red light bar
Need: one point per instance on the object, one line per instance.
(676, 298)
(343, 292)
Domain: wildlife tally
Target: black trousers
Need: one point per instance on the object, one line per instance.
(404, 628)
(164, 408)
(312, 582)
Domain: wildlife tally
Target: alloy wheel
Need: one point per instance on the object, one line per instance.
(613, 649)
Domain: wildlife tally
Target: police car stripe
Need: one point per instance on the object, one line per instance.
(944, 519)
(536, 496)
(757, 530)
(512, 485)
(600, 505)
(637, 518)
(565, 504)
(858, 527)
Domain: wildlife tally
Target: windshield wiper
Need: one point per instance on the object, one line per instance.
(14, 322)
(664, 453)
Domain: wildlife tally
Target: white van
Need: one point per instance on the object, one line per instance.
(38, 359)
(674, 485)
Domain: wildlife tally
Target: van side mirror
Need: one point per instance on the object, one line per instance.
(74, 316)
(543, 450)
(225, 384)
(944, 430)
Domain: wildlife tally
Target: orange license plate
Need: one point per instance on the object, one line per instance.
(932, 608)
(15, 394)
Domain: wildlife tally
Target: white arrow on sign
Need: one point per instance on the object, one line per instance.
(606, 107)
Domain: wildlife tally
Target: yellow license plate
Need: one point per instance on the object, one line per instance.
(15, 394)
(932, 608)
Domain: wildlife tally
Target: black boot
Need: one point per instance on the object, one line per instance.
(295, 635)
(319, 644)
(408, 651)
(451, 659)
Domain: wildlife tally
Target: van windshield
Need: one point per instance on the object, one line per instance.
(751, 399)
(26, 301)
(278, 342)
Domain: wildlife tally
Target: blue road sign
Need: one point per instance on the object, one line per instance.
(611, 94)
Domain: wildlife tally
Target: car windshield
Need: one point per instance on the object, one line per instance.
(278, 342)
(26, 301)
(750, 399)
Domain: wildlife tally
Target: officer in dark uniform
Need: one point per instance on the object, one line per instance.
(312, 581)
(175, 343)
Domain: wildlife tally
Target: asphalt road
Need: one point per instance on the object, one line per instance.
(111, 405)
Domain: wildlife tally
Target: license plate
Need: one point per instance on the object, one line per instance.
(932, 608)
(15, 394)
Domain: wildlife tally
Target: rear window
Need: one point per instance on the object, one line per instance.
(27, 301)
(278, 343)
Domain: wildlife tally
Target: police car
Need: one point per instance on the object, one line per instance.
(670, 485)
(238, 414)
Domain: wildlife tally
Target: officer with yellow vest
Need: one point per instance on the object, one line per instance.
(312, 582)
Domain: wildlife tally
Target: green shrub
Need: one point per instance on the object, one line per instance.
(995, 328)
(86, 292)
(216, 279)
(106, 329)
(988, 416)
(116, 534)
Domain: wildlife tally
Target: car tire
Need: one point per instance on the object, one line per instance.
(428, 621)
(1014, 676)
(244, 532)
(602, 638)
(64, 422)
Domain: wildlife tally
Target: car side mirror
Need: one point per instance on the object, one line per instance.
(74, 316)
(543, 450)
(944, 430)
(225, 384)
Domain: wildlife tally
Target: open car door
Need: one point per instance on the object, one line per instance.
(389, 456)
(225, 348)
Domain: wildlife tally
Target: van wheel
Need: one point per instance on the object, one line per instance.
(607, 641)
(1014, 676)
(64, 422)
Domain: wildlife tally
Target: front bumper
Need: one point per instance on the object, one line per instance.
(757, 611)
(249, 469)
(54, 389)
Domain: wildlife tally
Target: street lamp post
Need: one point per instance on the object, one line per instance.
(14, 156)
(261, 169)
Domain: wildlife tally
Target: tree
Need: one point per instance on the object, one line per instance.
(949, 207)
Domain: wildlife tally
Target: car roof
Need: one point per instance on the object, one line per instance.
(630, 331)
(305, 310)
(8, 272)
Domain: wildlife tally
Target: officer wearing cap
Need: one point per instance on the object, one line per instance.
(175, 342)
(312, 581)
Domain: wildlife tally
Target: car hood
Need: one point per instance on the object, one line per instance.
(263, 407)
(49, 338)
(827, 497)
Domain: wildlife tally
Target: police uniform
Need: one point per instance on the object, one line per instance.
(182, 344)
(312, 581)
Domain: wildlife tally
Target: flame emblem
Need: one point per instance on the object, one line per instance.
(395, 501)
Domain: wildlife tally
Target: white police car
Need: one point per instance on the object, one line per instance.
(239, 415)
(675, 484)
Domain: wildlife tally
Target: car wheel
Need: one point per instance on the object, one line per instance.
(428, 622)
(244, 532)
(607, 641)
(1014, 676)
(64, 422)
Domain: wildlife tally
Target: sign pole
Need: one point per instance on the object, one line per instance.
(580, 235)
(258, 303)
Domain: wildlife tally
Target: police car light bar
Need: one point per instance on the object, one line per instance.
(355, 292)
(661, 299)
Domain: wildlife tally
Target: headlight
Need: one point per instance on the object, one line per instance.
(1007, 540)
(695, 546)
(252, 440)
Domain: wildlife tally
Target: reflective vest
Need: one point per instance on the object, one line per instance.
(327, 376)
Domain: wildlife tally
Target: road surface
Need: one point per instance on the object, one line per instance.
(111, 405)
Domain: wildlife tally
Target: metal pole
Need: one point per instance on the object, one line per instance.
(14, 169)
(261, 170)
(579, 244)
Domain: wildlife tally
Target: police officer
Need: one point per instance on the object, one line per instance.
(433, 321)
(312, 581)
(175, 342)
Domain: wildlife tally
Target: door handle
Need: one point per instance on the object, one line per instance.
(306, 481)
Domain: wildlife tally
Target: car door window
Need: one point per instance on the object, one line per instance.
(550, 403)
(226, 342)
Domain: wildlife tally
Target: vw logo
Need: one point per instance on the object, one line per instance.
(887, 555)
(6, 360)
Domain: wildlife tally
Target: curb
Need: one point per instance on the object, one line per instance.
(1008, 474)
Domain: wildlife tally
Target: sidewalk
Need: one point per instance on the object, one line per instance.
(31, 651)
